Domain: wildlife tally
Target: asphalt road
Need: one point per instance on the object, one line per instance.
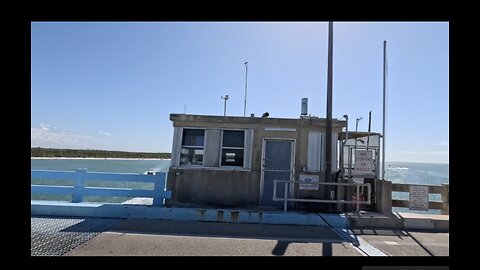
(143, 237)
(174, 238)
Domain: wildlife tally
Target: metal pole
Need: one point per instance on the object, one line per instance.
(356, 129)
(358, 198)
(369, 121)
(328, 156)
(369, 127)
(384, 92)
(225, 105)
(245, 103)
(346, 139)
(285, 198)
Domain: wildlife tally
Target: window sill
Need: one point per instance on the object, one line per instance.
(211, 168)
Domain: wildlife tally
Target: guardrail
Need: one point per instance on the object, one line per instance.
(443, 190)
(81, 175)
(285, 199)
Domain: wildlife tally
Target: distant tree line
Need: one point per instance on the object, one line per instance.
(88, 153)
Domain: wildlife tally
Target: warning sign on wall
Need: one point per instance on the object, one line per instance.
(419, 198)
(363, 162)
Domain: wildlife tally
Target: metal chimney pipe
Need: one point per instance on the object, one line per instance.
(304, 110)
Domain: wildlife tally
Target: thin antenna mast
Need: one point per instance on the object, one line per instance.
(246, 76)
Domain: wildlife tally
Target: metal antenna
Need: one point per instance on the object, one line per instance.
(225, 106)
(246, 76)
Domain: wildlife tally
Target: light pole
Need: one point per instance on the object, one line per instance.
(356, 129)
(356, 124)
(225, 106)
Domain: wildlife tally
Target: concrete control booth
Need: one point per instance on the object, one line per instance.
(233, 161)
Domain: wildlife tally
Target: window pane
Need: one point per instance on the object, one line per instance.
(232, 157)
(233, 138)
(191, 156)
(193, 137)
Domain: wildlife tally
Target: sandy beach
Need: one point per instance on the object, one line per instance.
(91, 158)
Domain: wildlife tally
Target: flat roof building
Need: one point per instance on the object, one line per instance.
(233, 161)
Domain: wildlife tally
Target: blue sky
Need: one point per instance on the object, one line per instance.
(112, 85)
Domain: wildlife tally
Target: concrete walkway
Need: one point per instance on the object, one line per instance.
(406, 243)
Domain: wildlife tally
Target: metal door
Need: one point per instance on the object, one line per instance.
(277, 164)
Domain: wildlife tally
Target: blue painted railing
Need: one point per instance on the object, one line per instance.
(81, 175)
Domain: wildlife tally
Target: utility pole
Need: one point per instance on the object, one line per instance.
(384, 93)
(225, 106)
(328, 143)
(245, 103)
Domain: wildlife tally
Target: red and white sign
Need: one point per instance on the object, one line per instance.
(363, 162)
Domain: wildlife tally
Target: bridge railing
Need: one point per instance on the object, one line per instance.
(79, 190)
(287, 184)
(443, 190)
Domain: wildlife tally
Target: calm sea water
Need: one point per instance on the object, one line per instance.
(397, 172)
(416, 173)
(100, 165)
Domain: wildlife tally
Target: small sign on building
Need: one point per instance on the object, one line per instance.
(363, 162)
(419, 198)
(308, 179)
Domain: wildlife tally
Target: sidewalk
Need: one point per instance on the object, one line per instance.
(407, 221)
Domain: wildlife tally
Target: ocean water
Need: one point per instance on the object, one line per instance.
(416, 173)
(101, 165)
(397, 172)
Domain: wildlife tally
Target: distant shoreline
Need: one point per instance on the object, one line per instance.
(92, 158)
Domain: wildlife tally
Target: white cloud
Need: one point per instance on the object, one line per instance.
(445, 143)
(101, 132)
(44, 126)
(44, 137)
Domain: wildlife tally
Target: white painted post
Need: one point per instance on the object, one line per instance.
(358, 198)
(80, 175)
(285, 198)
(158, 188)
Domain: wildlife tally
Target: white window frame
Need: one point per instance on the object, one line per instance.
(192, 147)
(320, 164)
(247, 158)
(235, 148)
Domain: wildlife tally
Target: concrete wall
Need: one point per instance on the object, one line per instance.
(217, 186)
(213, 187)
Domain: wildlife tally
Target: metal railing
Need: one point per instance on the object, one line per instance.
(443, 190)
(81, 175)
(285, 199)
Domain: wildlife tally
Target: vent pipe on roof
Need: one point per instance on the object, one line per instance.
(304, 110)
